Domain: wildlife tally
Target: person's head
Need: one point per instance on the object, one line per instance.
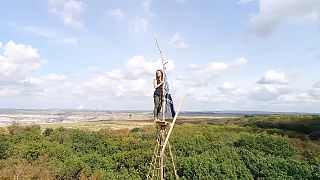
(159, 74)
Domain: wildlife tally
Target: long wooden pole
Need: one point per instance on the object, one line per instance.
(172, 160)
(171, 126)
(163, 104)
(162, 138)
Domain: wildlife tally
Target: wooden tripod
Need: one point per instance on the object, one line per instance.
(156, 170)
(157, 165)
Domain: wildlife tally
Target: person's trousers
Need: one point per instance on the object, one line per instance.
(157, 105)
(170, 104)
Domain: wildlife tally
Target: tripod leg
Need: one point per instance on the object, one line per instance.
(154, 169)
(174, 167)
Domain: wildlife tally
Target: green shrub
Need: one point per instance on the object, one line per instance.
(223, 163)
(3, 149)
(19, 168)
(16, 129)
(268, 144)
(136, 130)
(303, 124)
(32, 150)
(315, 135)
(313, 156)
(47, 131)
(271, 167)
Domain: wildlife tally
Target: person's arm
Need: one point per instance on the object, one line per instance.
(155, 85)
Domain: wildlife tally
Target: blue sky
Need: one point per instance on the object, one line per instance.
(223, 55)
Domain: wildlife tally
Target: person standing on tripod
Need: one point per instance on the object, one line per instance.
(157, 95)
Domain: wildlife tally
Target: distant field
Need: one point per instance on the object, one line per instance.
(97, 125)
(130, 124)
(77, 118)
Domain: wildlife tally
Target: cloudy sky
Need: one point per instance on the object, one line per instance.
(223, 55)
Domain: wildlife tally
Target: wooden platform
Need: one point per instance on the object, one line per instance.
(162, 123)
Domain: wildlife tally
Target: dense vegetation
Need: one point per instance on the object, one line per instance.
(305, 127)
(251, 148)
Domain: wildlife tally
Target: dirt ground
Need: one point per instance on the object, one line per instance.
(130, 124)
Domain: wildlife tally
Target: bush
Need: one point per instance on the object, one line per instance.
(268, 144)
(223, 163)
(47, 131)
(16, 129)
(315, 135)
(313, 156)
(303, 124)
(3, 149)
(271, 167)
(137, 130)
(19, 168)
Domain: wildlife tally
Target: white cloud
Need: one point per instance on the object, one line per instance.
(305, 96)
(54, 77)
(81, 106)
(193, 66)
(274, 77)
(239, 63)
(230, 89)
(204, 76)
(315, 90)
(146, 5)
(273, 13)
(217, 67)
(117, 13)
(0, 44)
(115, 74)
(227, 86)
(32, 81)
(17, 64)
(132, 81)
(18, 60)
(69, 11)
(5, 92)
(139, 25)
(40, 82)
(228, 93)
(268, 92)
(177, 41)
(138, 66)
(116, 88)
(296, 98)
(316, 85)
